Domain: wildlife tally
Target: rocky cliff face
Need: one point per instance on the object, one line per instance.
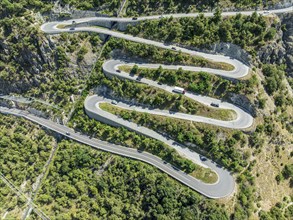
(24, 64)
(281, 51)
(288, 42)
(33, 60)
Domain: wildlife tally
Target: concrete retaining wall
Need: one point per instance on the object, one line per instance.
(105, 117)
(122, 26)
(227, 49)
(101, 118)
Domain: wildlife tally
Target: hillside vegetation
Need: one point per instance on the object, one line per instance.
(83, 183)
(24, 150)
(39, 66)
(109, 7)
(198, 82)
(245, 31)
(148, 7)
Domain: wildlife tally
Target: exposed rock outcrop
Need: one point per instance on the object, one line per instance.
(243, 102)
(288, 42)
(22, 68)
(281, 51)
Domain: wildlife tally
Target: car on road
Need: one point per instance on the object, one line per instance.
(72, 28)
(215, 105)
(114, 102)
(175, 168)
(171, 112)
(203, 158)
(118, 71)
(134, 18)
(67, 133)
(266, 12)
(159, 83)
(173, 48)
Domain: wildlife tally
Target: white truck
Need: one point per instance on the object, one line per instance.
(179, 90)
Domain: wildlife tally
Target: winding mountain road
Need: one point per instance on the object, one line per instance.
(240, 70)
(225, 185)
(222, 188)
(243, 119)
(183, 15)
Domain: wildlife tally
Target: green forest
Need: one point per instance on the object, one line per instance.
(159, 98)
(68, 180)
(148, 7)
(245, 31)
(159, 55)
(87, 184)
(224, 152)
(198, 82)
(122, 136)
(24, 150)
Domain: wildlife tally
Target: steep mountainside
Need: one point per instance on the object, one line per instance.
(70, 181)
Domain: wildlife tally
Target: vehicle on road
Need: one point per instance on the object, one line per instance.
(171, 112)
(159, 83)
(134, 18)
(175, 168)
(118, 71)
(72, 28)
(67, 133)
(179, 90)
(114, 102)
(203, 158)
(173, 48)
(215, 105)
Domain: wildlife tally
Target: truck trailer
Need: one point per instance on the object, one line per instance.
(179, 90)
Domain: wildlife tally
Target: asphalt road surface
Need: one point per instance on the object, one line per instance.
(225, 185)
(240, 70)
(223, 188)
(243, 119)
(183, 15)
